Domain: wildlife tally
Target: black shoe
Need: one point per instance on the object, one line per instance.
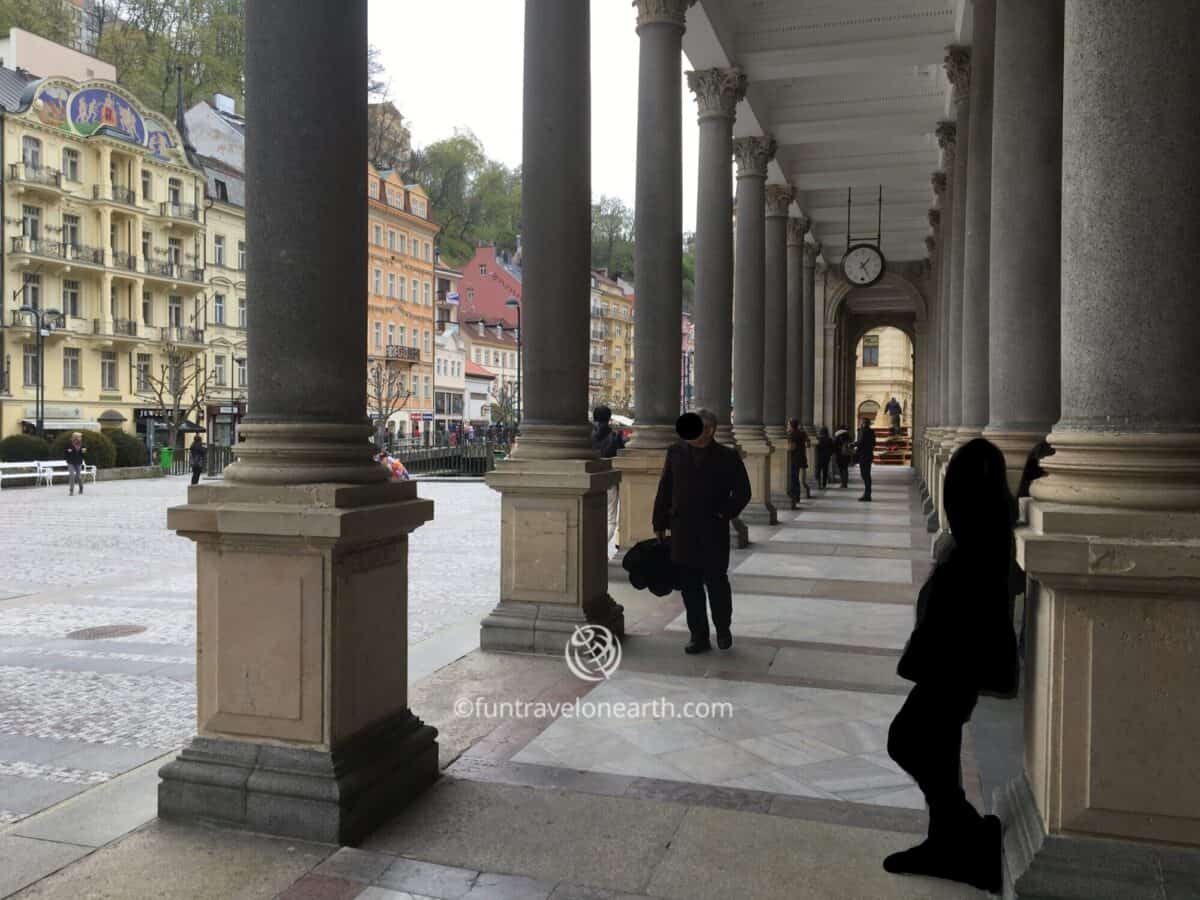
(980, 865)
(864, 499)
(694, 647)
(724, 639)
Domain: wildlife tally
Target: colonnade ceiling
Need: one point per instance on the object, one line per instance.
(851, 91)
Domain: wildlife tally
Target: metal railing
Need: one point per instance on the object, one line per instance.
(30, 174)
(115, 327)
(83, 253)
(123, 260)
(465, 460)
(37, 246)
(182, 334)
(408, 354)
(160, 268)
(196, 275)
(180, 211)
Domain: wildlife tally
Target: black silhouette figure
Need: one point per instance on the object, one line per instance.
(1033, 467)
(843, 448)
(704, 486)
(825, 450)
(864, 451)
(963, 645)
(797, 444)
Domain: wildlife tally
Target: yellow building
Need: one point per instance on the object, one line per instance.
(883, 370)
(103, 222)
(401, 306)
(610, 380)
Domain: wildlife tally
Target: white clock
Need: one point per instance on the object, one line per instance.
(863, 264)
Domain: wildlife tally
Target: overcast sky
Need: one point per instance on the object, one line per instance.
(457, 64)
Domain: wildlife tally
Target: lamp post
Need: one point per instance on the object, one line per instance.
(43, 330)
(514, 303)
(235, 362)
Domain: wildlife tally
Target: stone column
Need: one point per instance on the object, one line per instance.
(797, 327)
(974, 416)
(775, 335)
(658, 253)
(301, 553)
(947, 136)
(1023, 332)
(1112, 662)
(812, 253)
(718, 92)
(553, 518)
(752, 155)
(933, 384)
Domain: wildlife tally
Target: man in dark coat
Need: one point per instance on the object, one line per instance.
(704, 486)
(865, 453)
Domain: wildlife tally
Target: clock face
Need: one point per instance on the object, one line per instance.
(863, 265)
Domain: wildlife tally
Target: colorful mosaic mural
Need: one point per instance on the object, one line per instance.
(88, 109)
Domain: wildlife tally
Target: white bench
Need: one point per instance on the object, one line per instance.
(12, 471)
(47, 471)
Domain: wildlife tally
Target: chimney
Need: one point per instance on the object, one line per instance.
(224, 104)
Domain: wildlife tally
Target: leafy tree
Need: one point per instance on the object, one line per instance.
(612, 236)
(386, 396)
(504, 404)
(50, 19)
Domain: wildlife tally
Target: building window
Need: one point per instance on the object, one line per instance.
(145, 245)
(373, 189)
(222, 190)
(175, 373)
(428, 251)
(391, 240)
(31, 365)
(391, 335)
(240, 367)
(219, 309)
(871, 350)
(416, 339)
(426, 341)
(378, 335)
(174, 311)
(70, 164)
(143, 372)
(174, 191)
(33, 290)
(428, 387)
(147, 307)
(114, 302)
(482, 269)
(400, 288)
(402, 247)
(219, 369)
(70, 230)
(391, 284)
(428, 296)
(416, 291)
(241, 312)
(70, 298)
(242, 255)
(378, 235)
(378, 281)
(71, 367)
(31, 222)
(108, 371)
(147, 184)
(219, 250)
(403, 336)
(174, 251)
(31, 152)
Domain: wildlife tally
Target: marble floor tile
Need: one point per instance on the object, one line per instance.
(790, 749)
(833, 537)
(853, 516)
(849, 773)
(830, 568)
(715, 765)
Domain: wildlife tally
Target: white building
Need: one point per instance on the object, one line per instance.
(449, 381)
(479, 383)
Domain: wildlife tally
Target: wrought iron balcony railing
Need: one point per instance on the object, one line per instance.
(122, 260)
(180, 211)
(115, 327)
(407, 354)
(37, 247)
(182, 334)
(30, 174)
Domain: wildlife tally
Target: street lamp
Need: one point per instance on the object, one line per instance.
(514, 303)
(235, 363)
(43, 330)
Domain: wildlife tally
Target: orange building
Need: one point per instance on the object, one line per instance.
(401, 340)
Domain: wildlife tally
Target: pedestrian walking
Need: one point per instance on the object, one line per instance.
(797, 444)
(197, 455)
(607, 442)
(843, 453)
(825, 451)
(704, 487)
(963, 645)
(894, 410)
(74, 456)
(864, 454)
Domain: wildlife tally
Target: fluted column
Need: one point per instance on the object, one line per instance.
(718, 92)
(658, 251)
(303, 722)
(775, 338)
(752, 155)
(797, 327)
(976, 288)
(1114, 528)
(1025, 262)
(812, 253)
(958, 68)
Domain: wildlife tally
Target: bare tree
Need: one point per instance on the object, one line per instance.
(179, 390)
(504, 404)
(386, 396)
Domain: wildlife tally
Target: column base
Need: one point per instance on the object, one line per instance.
(640, 470)
(553, 553)
(780, 463)
(1015, 445)
(331, 796)
(757, 457)
(1038, 866)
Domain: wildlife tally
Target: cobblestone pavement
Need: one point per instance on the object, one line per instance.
(74, 713)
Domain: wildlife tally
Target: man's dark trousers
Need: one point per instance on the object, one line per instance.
(693, 583)
(865, 470)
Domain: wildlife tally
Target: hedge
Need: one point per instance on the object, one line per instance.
(100, 450)
(131, 450)
(23, 448)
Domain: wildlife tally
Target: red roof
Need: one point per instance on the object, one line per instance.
(483, 295)
(474, 368)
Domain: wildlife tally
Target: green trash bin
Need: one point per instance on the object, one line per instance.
(166, 456)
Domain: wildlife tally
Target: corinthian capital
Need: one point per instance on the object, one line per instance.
(931, 246)
(752, 155)
(935, 219)
(778, 199)
(717, 91)
(947, 138)
(938, 180)
(662, 12)
(811, 252)
(958, 70)
(797, 228)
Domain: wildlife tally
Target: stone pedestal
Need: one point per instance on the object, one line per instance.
(640, 470)
(553, 553)
(779, 464)
(302, 610)
(758, 453)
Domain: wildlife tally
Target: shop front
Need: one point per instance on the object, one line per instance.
(223, 420)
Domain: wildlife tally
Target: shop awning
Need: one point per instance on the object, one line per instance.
(63, 424)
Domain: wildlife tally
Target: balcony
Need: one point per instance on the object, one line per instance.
(183, 334)
(122, 260)
(117, 194)
(115, 328)
(38, 176)
(405, 354)
(185, 212)
(32, 246)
